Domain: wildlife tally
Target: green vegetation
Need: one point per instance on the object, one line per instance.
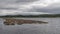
(43, 15)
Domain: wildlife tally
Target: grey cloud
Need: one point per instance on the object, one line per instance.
(16, 6)
(47, 10)
(13, 4)
(53, 8)
(16, 1)
(8, 8)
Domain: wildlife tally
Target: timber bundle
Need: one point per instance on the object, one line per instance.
(11, 21)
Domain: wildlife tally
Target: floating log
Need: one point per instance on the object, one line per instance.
(11, 21)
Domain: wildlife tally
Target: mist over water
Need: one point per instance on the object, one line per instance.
(53, 27)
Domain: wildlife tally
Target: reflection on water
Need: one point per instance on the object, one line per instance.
(53, 27)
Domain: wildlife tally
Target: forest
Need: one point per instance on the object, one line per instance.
(42, 15)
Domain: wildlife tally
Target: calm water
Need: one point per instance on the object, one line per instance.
(53, 27)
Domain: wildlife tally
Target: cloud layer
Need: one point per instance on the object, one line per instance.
(12, 7)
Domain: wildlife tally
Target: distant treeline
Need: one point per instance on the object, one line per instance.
(43, 15)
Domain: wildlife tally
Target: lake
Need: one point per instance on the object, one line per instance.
(53, 27)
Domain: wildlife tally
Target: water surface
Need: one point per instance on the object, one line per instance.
(53, 27)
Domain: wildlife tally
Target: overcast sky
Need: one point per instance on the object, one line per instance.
(13, 7)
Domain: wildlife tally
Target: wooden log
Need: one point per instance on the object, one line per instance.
(21, 21)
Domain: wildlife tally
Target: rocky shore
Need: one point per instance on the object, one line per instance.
(11, 21)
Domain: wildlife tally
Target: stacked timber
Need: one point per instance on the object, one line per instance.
(11, 21)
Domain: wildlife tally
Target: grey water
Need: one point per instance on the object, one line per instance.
(53, 27)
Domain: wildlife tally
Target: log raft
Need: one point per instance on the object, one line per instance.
(22, 21)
